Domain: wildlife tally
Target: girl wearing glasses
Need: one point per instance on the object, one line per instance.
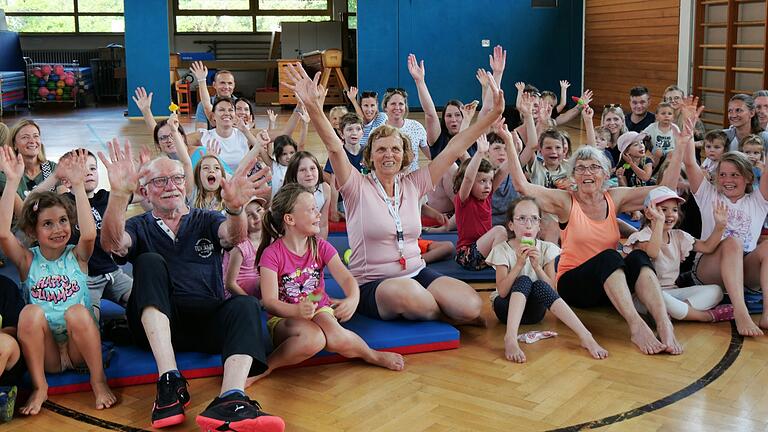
(591, 271)
(525, 273)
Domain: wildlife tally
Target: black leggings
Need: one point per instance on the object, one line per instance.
(539, 296)
(214, 326)
(583, 286)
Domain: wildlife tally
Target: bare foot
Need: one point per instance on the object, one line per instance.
(667, 336)
(389, 360)
(643, 337)
(35, 401)
(595, 350)
(747, 327)
(249, 382)
(104, 396)
(512, 350)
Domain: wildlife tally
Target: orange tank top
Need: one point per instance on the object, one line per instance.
(584, 238)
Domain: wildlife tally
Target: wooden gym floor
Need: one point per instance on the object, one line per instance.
(717, 384)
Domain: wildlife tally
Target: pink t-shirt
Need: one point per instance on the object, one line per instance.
(299, 277)
(473, 218)
(248, 275)
(371, 229)
(667, 263)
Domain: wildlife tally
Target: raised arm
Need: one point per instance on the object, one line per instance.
(553, 201)
(498, 61)
(531, 135)
(431, 120)
(308, 90)
(74, 172)
(587, 114)
(13, 167)
(653, 246)
(564, 84)
(123, 181)
(272, 119)
(304, 129)
(470, 174)
(182, 152)
(692, 169)
(572, 113)
(352, 95)
(200, 71)
(464, 139)
(520, 86)
(144, 102)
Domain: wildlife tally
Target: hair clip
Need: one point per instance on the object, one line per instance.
(34, 206)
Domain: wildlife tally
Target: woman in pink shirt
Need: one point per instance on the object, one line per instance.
(591, 271)
(383, 217)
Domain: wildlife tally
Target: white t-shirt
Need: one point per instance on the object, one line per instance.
(233, 148)
(745, 216)
(664, 141)
(504, 254)
(667, 263)
(278, 177)
(418, 136)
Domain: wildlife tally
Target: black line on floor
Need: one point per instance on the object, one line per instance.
(85, 418)
(734, 348)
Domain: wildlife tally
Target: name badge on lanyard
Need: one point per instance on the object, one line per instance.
(393, 207)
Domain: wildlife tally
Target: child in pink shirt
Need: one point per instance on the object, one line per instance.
(241, 277)
(473, 186)
(304, 320)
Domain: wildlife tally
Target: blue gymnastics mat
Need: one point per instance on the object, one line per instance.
(447, 267)
(130, 365)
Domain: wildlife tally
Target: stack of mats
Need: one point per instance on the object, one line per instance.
(12, 89)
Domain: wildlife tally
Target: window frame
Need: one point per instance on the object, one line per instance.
(253, 11)
(76, 14)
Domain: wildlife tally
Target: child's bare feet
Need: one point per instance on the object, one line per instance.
(104, 396)
(512, 350)
(35, 401)
(389, 360)
(595, 350)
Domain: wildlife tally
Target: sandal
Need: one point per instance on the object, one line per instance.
(723, 312)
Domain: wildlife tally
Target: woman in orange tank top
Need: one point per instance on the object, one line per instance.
(591, 271)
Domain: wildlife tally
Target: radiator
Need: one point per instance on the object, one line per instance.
(83, 57)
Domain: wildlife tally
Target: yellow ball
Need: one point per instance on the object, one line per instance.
(59, 91)
(347, 256)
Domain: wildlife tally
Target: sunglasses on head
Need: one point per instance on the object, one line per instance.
(369, 94)
(606, 106)
(397, 90)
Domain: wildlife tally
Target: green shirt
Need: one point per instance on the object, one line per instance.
(27, 184)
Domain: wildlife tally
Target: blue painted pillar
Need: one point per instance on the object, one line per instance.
(147, 52)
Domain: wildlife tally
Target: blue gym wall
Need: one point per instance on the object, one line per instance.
(147, 52)
(543, 45)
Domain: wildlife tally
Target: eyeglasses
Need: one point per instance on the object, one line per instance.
(163, 138)
(522, 220)
(161, 182)
(369, 94)
(593, 169)
(607, 106)
(397, 90)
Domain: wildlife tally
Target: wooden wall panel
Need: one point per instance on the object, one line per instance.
(629, 43)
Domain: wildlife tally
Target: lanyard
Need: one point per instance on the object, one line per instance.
(393, 206)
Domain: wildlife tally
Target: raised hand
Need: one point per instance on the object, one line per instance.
(721, 213)
(173, 122)
(416, 68)
(121, 170)
(564, 84)
(654, 212)
(272, 116)
(302, 111)
(520, 86)
(498, 96)
(468, 110)
(199, 70)
(482, 144)
(239, 189)
(306, 89)
(526, 104)
(352, 93)
(11, 164)
(587, 96)
(690, 109)
(587, 113)
(482, 78)
(498, 60)
(213, 147)
(142, 99)
(545, 110)
(71, 168)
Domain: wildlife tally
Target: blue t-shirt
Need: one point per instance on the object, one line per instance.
(55, 286)
(193, 257)
(101, 262)
(355, 159)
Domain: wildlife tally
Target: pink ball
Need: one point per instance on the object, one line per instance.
(37, 72)
(58, 69)
(46, 70)
(43, 92)
(69, 81)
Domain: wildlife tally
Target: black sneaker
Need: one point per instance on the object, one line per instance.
(172, 398)
(238, 413)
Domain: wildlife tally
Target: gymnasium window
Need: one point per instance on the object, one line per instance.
(64, 16)
(245, 16)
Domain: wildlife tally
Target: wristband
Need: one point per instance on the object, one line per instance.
(233, 213)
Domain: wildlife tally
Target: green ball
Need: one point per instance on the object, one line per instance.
(347, 256)
(51, 85)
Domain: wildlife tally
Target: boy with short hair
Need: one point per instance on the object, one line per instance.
(639, 117)
(351, 128)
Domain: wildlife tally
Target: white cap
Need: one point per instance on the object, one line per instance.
(661, 194)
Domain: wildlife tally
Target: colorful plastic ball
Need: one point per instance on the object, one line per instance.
(347, 256)
(66, 96)
(43, 92)
(60, 83)
(59, 69)
(54, 77)
(69, 81)
(46, 69)
(41, 82)
(58, 97)
(59, 92)
(37, 72)
(33, 89)
(51, 85)
(51, 96)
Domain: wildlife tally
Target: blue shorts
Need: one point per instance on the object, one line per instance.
(367, 305)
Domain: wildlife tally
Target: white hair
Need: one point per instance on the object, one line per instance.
(587, 152)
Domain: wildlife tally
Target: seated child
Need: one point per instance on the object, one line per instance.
(551, 172)
(525, 273)
(304, 320)
(662, 132)
(473, 186)
(54, 276)
(637, 168)
(754, 148)
(241, 276)
(351, 126)
(668, 247)
(714, 148)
